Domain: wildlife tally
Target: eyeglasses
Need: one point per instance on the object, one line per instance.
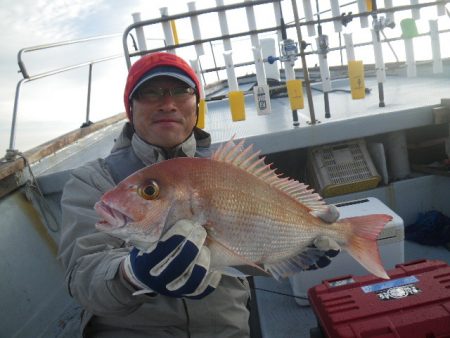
(154, 94)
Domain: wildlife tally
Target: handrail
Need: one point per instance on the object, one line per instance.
(22, 67)
(143, 23)
(11, 153)
(185, 15)
(27, 77)
(297, 24)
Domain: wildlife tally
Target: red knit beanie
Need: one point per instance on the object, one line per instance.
(140, 71)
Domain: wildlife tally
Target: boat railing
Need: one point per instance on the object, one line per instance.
(142, 50)
(11, 152)
(138, 25)
(171, 44)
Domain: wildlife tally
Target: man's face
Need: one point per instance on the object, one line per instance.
(166, 121)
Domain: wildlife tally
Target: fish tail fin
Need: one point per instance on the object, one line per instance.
(362, 244)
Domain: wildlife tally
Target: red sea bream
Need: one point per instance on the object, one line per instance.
(252, 215)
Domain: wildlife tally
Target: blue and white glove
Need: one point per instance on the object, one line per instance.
(317, 255)
(178, 265)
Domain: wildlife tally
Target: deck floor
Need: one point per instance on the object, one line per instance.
(408, 103)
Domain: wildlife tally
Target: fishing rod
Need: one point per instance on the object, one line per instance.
(280, 293)
(303, 45)
(322, 50)
(377, 27)
(289, 56)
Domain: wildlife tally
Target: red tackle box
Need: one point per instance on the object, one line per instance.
(414, 303)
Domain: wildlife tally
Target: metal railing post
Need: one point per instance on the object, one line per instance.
(214, 60)
(88, 103)
(11, 152)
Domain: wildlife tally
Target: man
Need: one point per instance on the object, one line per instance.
(169, 291)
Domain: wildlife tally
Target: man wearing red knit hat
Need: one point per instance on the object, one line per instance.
(168, 291)
(114, 283)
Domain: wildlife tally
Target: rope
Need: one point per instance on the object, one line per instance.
(32, 189)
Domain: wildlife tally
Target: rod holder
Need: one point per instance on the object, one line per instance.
(261, 91)
(237, 105)
(389, 15)
(223, 26)
(167, 29)
(142, 45)
(349, 47)
(295, 94)
(409, 31)
(252, 24)
(231, 76)
(435, 47)
(322, 49)
(335, 12)
(415, 11)
(202, 106)
(202, 110)
(196, 29)
(309, 17)
(362, 7)
(356, 79)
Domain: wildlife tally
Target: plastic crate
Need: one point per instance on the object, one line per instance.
(341, 168)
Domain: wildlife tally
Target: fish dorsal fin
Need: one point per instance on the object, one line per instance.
(249, 160)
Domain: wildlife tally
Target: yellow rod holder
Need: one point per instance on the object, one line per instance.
(237, 105)
(356, 77)
(202, 109)
(174, 32)
(295, 94)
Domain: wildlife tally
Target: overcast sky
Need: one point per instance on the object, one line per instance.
(57, 104)
(25, 23)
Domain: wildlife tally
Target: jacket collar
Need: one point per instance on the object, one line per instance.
(149, 153)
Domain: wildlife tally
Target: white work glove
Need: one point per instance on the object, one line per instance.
(178, 265)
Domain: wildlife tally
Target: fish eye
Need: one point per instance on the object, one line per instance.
(149, 190)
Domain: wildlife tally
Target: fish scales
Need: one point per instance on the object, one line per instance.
(247, 212)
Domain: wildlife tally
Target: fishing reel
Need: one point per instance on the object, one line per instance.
(381, 23)
(322, 44)
(289, 50)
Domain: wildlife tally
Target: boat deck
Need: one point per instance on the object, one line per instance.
(408, 104)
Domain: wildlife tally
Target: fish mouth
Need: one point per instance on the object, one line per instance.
(111, 218)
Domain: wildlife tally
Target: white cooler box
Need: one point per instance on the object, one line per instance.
(390, 244)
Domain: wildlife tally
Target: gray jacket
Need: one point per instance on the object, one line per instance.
(92, 259)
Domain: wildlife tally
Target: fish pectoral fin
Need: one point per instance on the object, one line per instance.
(244, 271)
(225, 256)
(233, 272)
(252, 271)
